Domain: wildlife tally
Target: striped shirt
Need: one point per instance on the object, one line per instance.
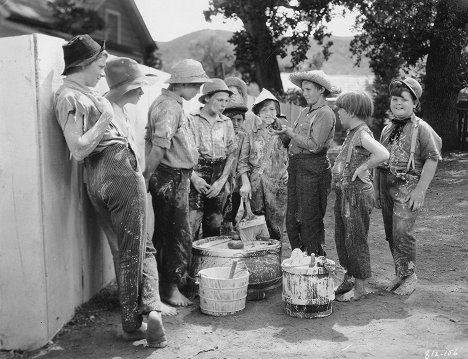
(214, 141)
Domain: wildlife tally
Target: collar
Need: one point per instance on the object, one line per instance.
(219, 118)
(77, 86)
(172, 95)
(320, 103)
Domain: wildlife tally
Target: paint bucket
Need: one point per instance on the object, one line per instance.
(219, 295)
(308, 292)
(261, 258)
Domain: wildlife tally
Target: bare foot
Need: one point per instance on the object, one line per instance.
(394, 284)
(359, 289)
(408, 285)
(346, 297)
(155, 335)
(138, 334)
(173, 296)
(345, 286)
(168, 310)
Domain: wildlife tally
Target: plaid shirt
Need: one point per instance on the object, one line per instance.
(215, 141)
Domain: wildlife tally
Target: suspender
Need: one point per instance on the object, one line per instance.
(352, 143)
(414, 136)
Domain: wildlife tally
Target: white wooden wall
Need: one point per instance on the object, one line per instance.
(53, 256)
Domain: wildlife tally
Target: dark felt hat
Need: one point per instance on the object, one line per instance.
(81, 50)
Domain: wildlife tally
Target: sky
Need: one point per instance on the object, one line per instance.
(169, 19)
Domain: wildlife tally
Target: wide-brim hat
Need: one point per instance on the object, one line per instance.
(410, 83)
(238, 83)
(188, 71)
(210, 88)
(263, 96)
(235, 106)
(124, 74)
(317, 76)
(81, 50)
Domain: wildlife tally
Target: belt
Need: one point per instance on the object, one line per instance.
(166, 168)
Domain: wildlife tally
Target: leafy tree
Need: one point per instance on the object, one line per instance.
(269, 27)
(211, 52)
(413, 35)
(74, 19)
(153, 56)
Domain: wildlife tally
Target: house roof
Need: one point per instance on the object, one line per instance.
(37, 12)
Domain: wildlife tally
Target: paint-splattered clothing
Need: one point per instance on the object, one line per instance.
(309, 182)
(396, 184)
(117, 191)
(215, 142)
(169, 189)
(168, 128)
(265, 159)
(353, 206)
(78, 100)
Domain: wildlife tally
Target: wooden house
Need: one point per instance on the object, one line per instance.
(125, 31)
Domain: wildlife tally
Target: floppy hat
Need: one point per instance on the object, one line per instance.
(81, 50)
(188, 71)
(317, 76)
(411, 84)
(216, 85)
(263, 96)
(238, 83)
(124, 74)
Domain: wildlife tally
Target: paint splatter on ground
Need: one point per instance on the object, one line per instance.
(433, 320)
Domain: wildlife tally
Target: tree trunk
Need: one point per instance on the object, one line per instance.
(442, 82)
(266, 63)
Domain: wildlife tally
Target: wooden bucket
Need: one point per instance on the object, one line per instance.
(261, 258)
(219, 295)
(307, 292)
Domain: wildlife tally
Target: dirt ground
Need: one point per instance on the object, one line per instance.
(432, 322)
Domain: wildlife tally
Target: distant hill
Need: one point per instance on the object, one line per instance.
(339, 63)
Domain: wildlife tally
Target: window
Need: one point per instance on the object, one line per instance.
(113, 26)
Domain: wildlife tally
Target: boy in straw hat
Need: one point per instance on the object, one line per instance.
(401, 183)
(216, 143)
(309, 171)
(95, 134)
(171, 154)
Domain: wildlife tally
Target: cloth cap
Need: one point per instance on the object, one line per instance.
(263, 96)
(238, 83)
(81, 50)
(124, 74)
(317, 76)
(216, 85)
(411, 84)
(188, 71)
(235, 106)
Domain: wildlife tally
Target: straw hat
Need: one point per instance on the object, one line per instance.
(216, 85)
(410, 83)
(188, 71)
(124, 74)
(317, 76)
(81, 50)
(239, 84)
(263, 96)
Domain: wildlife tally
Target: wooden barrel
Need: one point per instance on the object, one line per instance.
(261, 258)
(307, 292)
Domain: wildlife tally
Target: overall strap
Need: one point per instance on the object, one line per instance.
(353, 141)
(414, 136)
